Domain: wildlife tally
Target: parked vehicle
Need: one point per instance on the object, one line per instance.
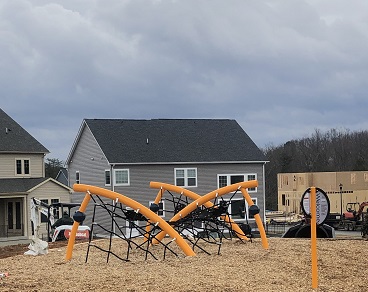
(353, 218)
(56, 229)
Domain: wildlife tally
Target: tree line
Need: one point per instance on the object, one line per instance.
(333, 150)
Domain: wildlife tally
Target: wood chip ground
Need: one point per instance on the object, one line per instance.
(285, 266)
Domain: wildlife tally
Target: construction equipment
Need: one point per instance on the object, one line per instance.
(56, 230)
(353, 218)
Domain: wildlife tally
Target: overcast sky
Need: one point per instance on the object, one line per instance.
(281, 68)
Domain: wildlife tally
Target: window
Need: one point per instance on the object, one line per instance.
(107, 177)
(26, 166)
(247, 208)
(224, 180)
(283, 199)
(10, 215)
(18, 224)
(238, 209)
(56, 211)
(77, 177)
(19, 166)
(161, 210)
(44, 216)
(186, 177)
(121, 177)
(22, 166)
(251, 177)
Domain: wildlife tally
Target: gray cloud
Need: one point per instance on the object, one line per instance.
(280, 68)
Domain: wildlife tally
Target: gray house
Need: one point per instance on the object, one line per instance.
(199, 154)
(22, 176)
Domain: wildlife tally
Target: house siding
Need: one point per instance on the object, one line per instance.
(89, 160)
(92, 171)
(7, 165)
(141, 176)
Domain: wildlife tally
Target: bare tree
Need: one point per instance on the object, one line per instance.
(52, 167)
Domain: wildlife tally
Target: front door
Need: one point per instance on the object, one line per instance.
(14, 217)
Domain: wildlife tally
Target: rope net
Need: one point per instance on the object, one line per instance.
(132, 234)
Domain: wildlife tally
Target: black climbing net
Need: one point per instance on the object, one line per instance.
(121, 218)
(208, 224)
(203, 227)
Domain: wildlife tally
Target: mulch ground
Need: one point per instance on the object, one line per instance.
(284, 266)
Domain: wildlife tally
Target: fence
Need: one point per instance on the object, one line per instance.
(278, 229)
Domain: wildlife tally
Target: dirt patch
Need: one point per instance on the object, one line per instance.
(20, 249)
(285, 266)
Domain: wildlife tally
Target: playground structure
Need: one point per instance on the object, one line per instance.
(195, 218)
(213, 217)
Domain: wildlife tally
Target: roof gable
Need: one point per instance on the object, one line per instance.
(26, 185)
(13, 138)
(63, 173)
(173, 140)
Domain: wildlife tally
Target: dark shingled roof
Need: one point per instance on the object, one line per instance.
(13, 138)
(173, 140)
(19, 185)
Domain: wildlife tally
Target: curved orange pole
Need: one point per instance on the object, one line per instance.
(194, 196)
(148, 226)
(71, 241)
(208, 197)
(131, 203)
(258, 219)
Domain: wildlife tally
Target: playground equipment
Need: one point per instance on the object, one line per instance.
(191, 221)
(119, 213)
(203, 219)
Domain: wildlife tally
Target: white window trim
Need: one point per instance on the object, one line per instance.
(121, 184)
(22, 167)
(234, 174)
(163, 207)
(186, 176)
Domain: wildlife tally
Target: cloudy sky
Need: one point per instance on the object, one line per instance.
(281, 68)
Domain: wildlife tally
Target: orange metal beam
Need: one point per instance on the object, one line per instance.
(193, 196)
(128, 202)
(218, 193)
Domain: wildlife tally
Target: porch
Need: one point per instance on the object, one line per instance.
(12, 221)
